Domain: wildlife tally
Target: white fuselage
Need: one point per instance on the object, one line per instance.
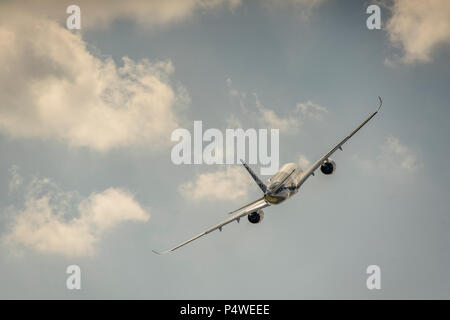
(289, 187)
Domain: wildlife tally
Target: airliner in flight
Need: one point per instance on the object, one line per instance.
(281, 186)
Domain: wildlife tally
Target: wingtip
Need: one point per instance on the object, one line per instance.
(381, 103)
(159, 252)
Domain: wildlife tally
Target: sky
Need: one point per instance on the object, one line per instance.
(86, 176)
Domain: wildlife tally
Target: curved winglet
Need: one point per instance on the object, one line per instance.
(318, 163)
(160, 253)
(381, 103)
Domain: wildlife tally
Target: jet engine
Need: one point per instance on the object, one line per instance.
(256, 217)
(328, 167)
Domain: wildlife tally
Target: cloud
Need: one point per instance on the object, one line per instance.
(393, 158)
(268, 118)
(233, 122)
(418, 28)
(240, 96)
(295, 118)
(229, 183)
(101, 13)
(310, 110)
(52, 87)
(303, 162)
(392, 151)
(304, 8)
(56, 222)
(15, 178)
(149, 13)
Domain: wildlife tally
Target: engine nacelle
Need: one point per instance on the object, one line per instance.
(256, 217)
(328, 167)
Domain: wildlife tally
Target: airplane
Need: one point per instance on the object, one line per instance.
(280, 187)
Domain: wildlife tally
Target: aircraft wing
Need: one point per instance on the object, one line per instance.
(251, 207)
(318, 163)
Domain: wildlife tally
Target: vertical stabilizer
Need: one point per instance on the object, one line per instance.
(258, 181)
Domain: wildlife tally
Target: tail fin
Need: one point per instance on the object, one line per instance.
(261, 185)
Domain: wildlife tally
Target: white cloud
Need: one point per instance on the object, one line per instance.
(52, 87)
(15, 180)
(310, 110)
(418, 28)
(303, 162)
(101, 13)
(304, 8)
(233, 122)
(229, 183)
(50, 223)
(268, 118)
(392, 151)
(240, 96)
(149, 13)
(295, 118)
(393, 158)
